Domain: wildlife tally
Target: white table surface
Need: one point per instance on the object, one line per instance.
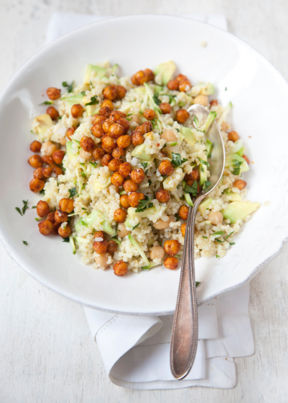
(46, 351)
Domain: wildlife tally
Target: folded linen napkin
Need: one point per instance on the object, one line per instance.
(135, 349)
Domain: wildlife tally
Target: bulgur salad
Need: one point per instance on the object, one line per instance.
(119, 160)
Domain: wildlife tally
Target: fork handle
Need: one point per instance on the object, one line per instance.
(185, 321)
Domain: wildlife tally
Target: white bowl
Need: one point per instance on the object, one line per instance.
(260, 99)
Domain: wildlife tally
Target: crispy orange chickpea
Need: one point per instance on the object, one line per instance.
(233, 136)
(38, 173)
(124, 141)
(35, 161)
(118, 152)
(53, 93)
(87, 144)
(36, 185)
(130, 186)
(110, 92)
(173, 85)
(149, 74)
(213, 102)
(98, 153)
(115, 130)
(192, 176)
(65, 230)
(66, 205)
(149, 114)
(69, 132)
(98, 119)
(97, 130)
(116, 115)
(183, 229)
(108, 104)
(35, 146)
(171, 262)
(48, 148)
(171, 247)
(106, 125)
(137, 175)
(120, 215)
(124, 123)
(100, 247)
(58, 156)
(240, 184)
(47, 172)
(121, 91)
(138, 78)
(57, 170)
(99, 236)
(117, 179)
(162, 195)
(166, 168)
(105, 159)
(124, 201)
(182, 115)
(144, 128)
(42, 208)
(184, 85)
(60, 217)
(125, 169)
(183, 212)
(120, 268)
(137, 138)
(48, 160)
(134, 198)
(104, 111)
(112, 247)
(165, 107)
(77, 110)
(46, 227)
(108, 143)
(52, 112)
(114, 164)
(51, 217)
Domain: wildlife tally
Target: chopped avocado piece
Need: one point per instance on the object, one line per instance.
(172, 181)
(188, 134)
(238, 148)
(233, 196)
(203, 174)
(239, 210)
(209, 146)
(140, 152)
(210, 119)
(42, 123)
(236, 164)
(139, 249)
(164, 72)
(92, 70)
(97, 221)
(151, 98)
(73, 99)
(188, 199)
(202, 89)
(205, 205)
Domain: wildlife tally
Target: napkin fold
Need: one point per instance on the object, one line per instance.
(135, 349)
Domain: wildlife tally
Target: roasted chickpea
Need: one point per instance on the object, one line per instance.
(166, 168)
(182, 115)
(171, 247)
(118, 153)
(121, 91)
(173, 85)
(51, 217)
(146, 127)
(192, 176)
(57, 170)
(87, 144)
(106, 125)
(115, 130)
(233, 136)
(125, 169)
(161, 224)
(183, 212)
(36, 185)
(60, 217)
(105, 159)
(48, 148)
(124, 123)
(240, 184)
(124, 141)
(52, 112)
(114, 164)
(214, 102)
(69, 132)
(112, 247)
(124, 201)
(97, 130)
(38, 173)
(98, 119)
(120, 268)
(184, 85)
(138, 78)
(108, 143)
(165, 107)
(35, 161)
(162, 195)
(66, 205)
(110, 92)
(149, 74)
(171, 262)
(183, 229)
(35, 146)
(100, 247)
(48, 160)
(117, 179)
(116, 115)
(156, 253)
(64, 230)
(120, 215)
(134, 198)
(102, 260)
(137, 138)
(130, 186)
(107, 103)
(53, 93)
(215, 217)
(98, 153)
(137, 175)
(99, 236)
(42, 208)
(104, 111)
(149, 114)
(46, 227)
(58, 156)
(47, 172)
(201, 100)
(77, 110)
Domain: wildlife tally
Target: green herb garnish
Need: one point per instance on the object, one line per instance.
(206, 185)
(217, 256)
(42, 192)
(25, 243)
(197, 283)
(218, 233)
(93, 163)
(144, 165)
(236, 164)
(177, 160)
(93, 101)
(156, 99)
(68, 86)
(72, 192)
(146, 267)
(65, 239)
(144, 204)
(135, 226)
(22, 210)
(83, 93)
(47, 103)
(228, 236)
(191, 189)
(204, 236)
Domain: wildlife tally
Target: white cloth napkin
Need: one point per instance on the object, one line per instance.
(135, 349)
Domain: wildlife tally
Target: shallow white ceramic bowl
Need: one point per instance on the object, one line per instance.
(260, 98)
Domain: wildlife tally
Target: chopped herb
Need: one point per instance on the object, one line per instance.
(172, 144)
(47, 103)
(116, 240)
(177, 217)
(93, 163)
(37, 219)
(34, 206)
(144, 165)
(236, 167)
(144, 204)
(191, 189)
(68, 86)
(83, 174)
(218, 233)
(22, 210)
(171, 98)
(146, 267)
(149, 181)
(218, 240)
(231, 243)
(42, 192)
(228, 236)
(217, 256)
(25, 243)
(156, 99)
(204, 162)
(135, 226)
(65, 239)
(72, 192)
(83, 93)
(197, 283)
(204, 236)
(206, 185)
(177, 160)
(93, 101)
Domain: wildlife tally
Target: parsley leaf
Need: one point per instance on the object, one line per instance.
(47, 103)
(83, 93)
(146, 267)
(93, 101)
(218, 233)
(144, 204)
(206, 185)
(177, 160)
(68, 86)
(93, 163)
(236, 167)
(156, 99)
(135, 226)
(72, 192)
(66, 239)
(197, 283)
(191, 189)
(25, 243)
(22, 210)
(144, 165)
